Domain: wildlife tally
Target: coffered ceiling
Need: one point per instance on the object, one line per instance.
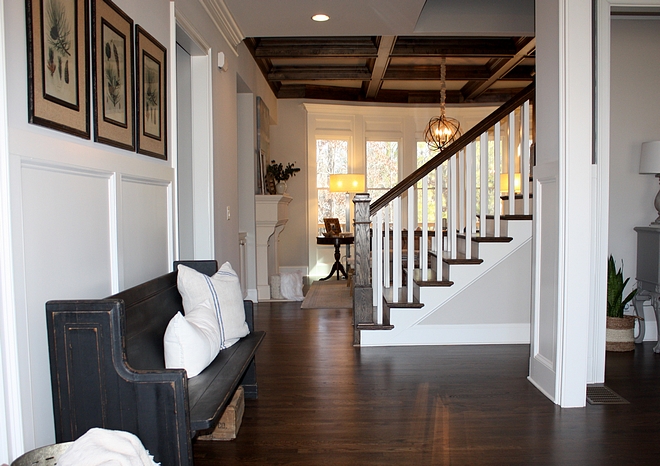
(391, 50)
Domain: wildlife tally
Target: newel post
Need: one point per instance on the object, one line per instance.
(363, 293)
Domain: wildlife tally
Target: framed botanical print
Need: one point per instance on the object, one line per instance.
(112, 57)
(58, 64)
(151, 95)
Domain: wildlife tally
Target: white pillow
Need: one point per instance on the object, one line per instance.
(192, 341)
(223, 290)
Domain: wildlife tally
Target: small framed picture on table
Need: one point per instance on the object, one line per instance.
(332, 226)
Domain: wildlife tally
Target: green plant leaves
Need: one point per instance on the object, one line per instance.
(615, 288)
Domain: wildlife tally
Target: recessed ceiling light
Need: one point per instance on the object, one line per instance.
(320, 17)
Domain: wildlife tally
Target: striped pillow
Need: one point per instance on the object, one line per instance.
(223, 290)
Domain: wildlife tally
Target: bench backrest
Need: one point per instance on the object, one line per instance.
(148, 309)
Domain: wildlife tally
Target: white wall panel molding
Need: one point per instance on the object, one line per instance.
(145, 229)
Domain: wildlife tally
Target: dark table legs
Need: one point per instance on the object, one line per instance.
(337, 266)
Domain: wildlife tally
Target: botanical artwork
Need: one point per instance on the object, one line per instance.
(151, 96)
(114, 75)
(151, 101)
(60, 51)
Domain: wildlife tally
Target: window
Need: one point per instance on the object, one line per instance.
(382, 167)
(331, 157)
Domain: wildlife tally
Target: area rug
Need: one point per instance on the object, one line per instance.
(330, 294)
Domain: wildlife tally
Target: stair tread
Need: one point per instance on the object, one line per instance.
(402, 298)
(374, 327)
(460, 259)
(509, 217)
(477, 238)
(505, 197)
(431, 279)
(516, 217)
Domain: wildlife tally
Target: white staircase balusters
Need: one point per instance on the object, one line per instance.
(439, 230)
(453, 205)
(511, 156)
(497, 138)
(483, 182)
(423, 243)
(410, 243)
(525, 157)
(396, 248)
(469, 203)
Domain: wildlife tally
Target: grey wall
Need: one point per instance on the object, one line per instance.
(635, 118)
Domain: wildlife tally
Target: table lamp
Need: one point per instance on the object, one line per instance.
(649, 163)
(347, 183)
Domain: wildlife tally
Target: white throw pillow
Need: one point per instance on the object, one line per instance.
(192, 341)
(223, 290)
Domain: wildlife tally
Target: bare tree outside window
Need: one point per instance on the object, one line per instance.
(331, 158)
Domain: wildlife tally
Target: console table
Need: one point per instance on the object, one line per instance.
(336, 241)
(648, 277)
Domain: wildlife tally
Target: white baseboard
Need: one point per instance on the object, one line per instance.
(252, 295)
(477, 334)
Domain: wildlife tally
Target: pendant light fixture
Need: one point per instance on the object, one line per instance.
(442, 130)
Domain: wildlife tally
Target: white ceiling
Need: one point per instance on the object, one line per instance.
(282, 18)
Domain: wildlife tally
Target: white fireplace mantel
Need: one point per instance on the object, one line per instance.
(272, 213)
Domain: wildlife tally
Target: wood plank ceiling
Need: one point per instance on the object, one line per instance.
(395, 69)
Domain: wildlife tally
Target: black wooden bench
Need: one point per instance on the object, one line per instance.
(108, 369)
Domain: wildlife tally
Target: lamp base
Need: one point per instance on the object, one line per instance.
(656, 204)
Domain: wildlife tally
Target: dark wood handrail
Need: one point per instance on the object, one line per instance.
(453, 148)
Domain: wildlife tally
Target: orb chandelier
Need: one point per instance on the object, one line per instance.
(442, 130)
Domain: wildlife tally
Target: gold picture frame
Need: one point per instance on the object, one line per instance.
(151, 59)
(114, 90)
(58, 64)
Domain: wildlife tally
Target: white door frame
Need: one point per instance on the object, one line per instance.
(202, 134)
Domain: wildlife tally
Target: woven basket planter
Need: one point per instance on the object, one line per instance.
(620, 334)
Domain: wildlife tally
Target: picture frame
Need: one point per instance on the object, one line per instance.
(58, 65)
(332, 226)
(113, 76)
(151, 95)
(263, 185)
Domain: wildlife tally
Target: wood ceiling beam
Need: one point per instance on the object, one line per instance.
(432, 73)
(305, 47)
(312, 91)
(454, 47)
(315, 73)
(501, 68)
(385, 47)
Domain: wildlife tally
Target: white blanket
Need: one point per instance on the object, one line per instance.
(291, 285)
(106, 447)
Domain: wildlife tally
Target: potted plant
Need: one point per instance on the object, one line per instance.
(620, 328)
(281, 174)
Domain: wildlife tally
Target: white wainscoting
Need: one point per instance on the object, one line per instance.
(145, 229)
(67, 254)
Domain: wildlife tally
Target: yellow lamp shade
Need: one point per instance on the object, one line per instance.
(347, 183)
(504, 183)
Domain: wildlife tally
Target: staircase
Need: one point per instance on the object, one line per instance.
(469, 283)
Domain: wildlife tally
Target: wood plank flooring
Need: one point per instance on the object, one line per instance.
(321, 401)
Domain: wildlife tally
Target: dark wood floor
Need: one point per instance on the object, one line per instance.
(321, 401)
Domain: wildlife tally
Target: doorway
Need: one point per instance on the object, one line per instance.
(194, 147)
